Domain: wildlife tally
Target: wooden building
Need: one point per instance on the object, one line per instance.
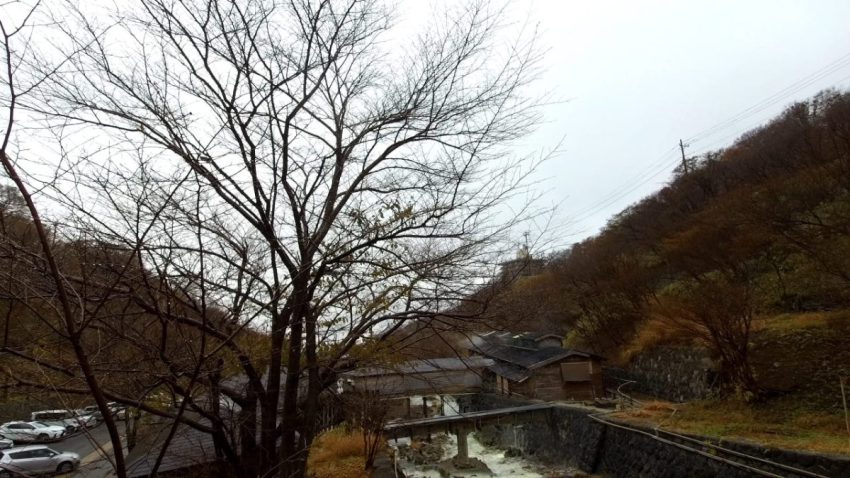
(536, 366)
(420, 377)
(419, 388)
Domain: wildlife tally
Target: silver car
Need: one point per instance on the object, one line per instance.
(36, 459)
(31, 431)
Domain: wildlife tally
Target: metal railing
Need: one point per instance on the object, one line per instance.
(625, 400)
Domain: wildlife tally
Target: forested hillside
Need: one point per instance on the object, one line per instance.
(754, 230)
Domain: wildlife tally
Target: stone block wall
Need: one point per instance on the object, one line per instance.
(569, 436)
(674, 373)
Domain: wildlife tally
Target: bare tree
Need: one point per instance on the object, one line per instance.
(281, 168)
(63, 299)
(368, 411)
(717, 310)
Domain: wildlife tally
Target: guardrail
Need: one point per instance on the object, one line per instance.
(625, 400)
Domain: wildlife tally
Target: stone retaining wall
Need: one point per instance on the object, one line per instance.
(570, 437)
(673, 373)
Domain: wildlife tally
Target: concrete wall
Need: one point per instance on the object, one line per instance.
(674, 373)
(568, 436)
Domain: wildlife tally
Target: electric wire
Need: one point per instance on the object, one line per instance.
(781, 95)
(652, 171)
(648, 172)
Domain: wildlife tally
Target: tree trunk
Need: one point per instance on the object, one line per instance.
(248, 436)
(290, 460)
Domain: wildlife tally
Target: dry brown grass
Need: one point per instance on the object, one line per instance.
(805, 320)
(778, 424)
(654, 332)
(651, 333)
(337, 453)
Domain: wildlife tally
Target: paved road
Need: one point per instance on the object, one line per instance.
(83, 443)
(91, 445)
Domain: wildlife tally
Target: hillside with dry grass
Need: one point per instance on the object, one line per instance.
(745, 253)
(739, 239)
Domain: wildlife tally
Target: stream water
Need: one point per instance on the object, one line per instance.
(496, 461)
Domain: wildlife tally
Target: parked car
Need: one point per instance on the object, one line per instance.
(86, 421)
(97, 416)
(31, 431)
(89, 410)
(118, 411)
(63, 418)
(36, 459)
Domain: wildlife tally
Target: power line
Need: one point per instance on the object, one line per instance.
(663, 160)
(652, 171)
(625, 192)
(781, 95)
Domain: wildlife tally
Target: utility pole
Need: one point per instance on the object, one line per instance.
(684, 160)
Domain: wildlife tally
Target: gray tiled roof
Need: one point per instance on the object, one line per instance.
(524, 357)
(520, 350)
(510, 372)
(424, 366)
(189, 447)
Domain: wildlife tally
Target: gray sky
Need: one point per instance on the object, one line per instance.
(638, 75)
(634, 76)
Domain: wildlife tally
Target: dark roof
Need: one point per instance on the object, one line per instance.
(510, 372)
(538, 336)
(423, 366)
(521, 349)
(188, 448)
(240, 381)
(525, 358)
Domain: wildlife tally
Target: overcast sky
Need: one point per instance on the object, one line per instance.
(636, 76)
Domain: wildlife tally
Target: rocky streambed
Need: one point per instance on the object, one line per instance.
(436, 458)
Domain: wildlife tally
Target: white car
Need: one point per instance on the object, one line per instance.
(59, 418)
(31, 431)
(36, 460)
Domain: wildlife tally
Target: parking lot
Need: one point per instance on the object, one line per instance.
(78, 438)
(86, 443)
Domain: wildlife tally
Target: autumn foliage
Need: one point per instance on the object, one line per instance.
(760, 227)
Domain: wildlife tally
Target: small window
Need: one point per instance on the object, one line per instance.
(21, 455)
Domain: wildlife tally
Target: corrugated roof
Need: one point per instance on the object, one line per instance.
(424, 366)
